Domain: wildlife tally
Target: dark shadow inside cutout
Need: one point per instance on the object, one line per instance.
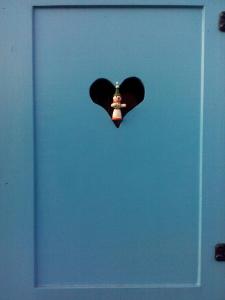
(131, 90)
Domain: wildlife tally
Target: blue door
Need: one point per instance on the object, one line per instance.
(92, 211)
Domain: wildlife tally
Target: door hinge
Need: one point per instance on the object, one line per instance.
(220, 252)
(222, 21)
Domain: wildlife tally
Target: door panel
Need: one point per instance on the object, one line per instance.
(91, 211)
(117, 206)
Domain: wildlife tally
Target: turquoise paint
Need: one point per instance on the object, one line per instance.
(95, 212)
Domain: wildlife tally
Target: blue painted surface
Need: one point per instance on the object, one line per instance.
(89, 211)
(125, 200)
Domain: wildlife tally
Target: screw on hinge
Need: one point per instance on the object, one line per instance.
(222, 21)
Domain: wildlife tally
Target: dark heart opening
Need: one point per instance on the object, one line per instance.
(131, 90)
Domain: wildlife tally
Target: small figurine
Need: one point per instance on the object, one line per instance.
(117, 105)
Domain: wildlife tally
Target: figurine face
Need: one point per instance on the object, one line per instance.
(117, 99)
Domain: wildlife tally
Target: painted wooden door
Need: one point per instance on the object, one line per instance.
(91, 211)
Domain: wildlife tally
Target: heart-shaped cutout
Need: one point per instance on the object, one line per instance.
(129, 94)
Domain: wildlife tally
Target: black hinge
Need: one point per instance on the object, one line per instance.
(222, 21)
(220, 252)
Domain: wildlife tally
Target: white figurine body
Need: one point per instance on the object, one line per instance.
(117, 105)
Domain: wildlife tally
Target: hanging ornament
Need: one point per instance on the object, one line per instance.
(117, 105)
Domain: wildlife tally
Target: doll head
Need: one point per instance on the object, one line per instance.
(117, 99)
